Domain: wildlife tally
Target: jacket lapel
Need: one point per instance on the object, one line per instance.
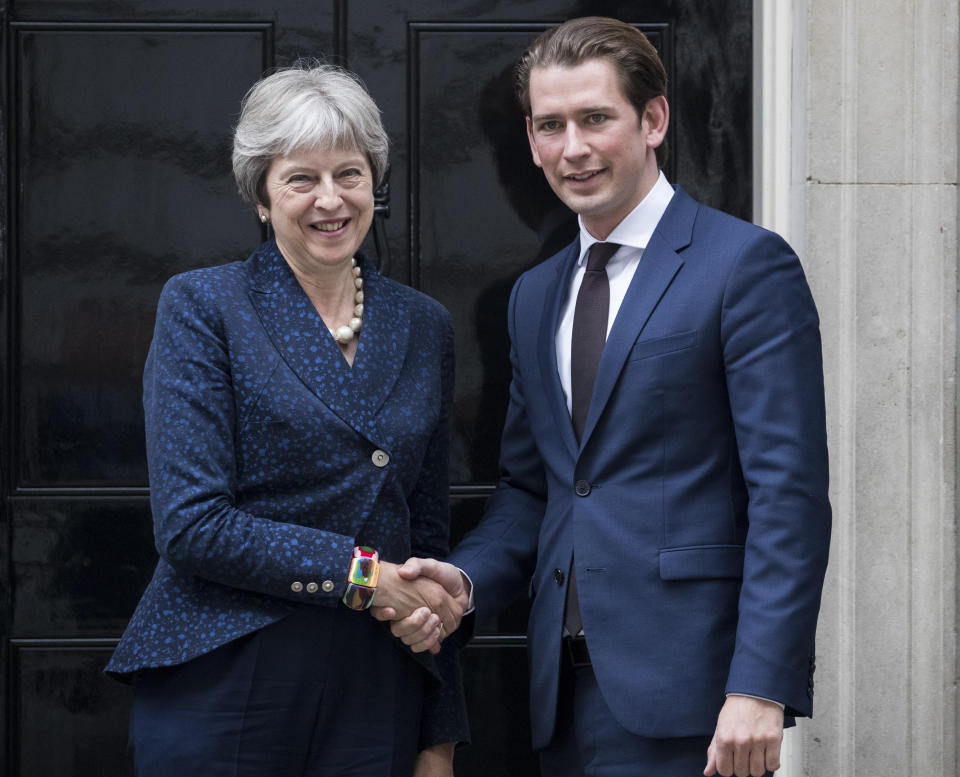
(382, 348)
(302, 340)
(554, 298)
(657, 269)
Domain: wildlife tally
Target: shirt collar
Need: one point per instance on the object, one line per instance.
(638, 225)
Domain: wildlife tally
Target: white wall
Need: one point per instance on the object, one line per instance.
(871, 204)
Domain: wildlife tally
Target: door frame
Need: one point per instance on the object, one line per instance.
(779, 102)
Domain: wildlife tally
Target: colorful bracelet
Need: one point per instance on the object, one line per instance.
(362, 578)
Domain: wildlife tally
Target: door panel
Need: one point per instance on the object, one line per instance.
(96, 169)
(117, 125)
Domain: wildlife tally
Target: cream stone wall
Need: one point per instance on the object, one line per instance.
(873, 212)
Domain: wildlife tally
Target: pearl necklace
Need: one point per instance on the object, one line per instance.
(344, 334)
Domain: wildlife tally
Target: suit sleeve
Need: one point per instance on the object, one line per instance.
(774, 374)
(444, 716)
(191, 426)
(500, 554)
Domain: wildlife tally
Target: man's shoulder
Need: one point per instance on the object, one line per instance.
(710, 223)
(718, 240)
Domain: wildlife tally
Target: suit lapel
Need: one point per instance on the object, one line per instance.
(657, 269)
(554, 298)
(302, 340)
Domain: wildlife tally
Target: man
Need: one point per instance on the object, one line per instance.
(666, 470)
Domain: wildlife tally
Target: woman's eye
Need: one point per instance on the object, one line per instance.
(351, 172)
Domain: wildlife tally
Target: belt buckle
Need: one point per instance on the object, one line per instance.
(577, 652)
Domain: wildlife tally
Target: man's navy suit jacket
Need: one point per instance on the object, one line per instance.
(695, 506)
(265, 458)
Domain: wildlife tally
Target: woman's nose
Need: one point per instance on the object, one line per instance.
(327, 196)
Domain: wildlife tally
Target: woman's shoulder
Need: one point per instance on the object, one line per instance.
(205, 294)
(209, 287)
(208, 278)
(417, 301)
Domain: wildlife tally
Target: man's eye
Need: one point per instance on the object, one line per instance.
(549, 126)
(596, 118)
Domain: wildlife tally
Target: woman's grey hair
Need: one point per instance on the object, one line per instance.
(308, 106)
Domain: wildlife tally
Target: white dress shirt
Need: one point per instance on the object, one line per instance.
(633, 234)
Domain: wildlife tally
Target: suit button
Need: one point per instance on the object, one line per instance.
(327, 586)
(558, 576)
(296, 586)
(312, 588)
(581, 487)
(380, 458)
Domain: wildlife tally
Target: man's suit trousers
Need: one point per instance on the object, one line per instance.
(588, 741)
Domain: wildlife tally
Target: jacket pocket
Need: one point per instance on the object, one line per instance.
(659, 346)
(702, 562)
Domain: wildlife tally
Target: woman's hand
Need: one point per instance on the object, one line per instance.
(400, 596)
(436, 761)
(423, 629)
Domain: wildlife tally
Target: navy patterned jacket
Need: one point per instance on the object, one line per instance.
(265, 452)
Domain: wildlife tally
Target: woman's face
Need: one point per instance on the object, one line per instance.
(320, 206)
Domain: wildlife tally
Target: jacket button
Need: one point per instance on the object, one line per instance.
(581, 487)
(327, 586)
(380, 458)
(312, 588)
(558, 576)
(296, 586)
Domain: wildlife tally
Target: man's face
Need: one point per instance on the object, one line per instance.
(597, 155)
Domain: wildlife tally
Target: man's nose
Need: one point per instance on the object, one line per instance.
(574, 144)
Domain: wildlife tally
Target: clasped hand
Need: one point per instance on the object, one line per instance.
(425, 600)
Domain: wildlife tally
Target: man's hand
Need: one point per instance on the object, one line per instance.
(425, 627)
(400, 595)
(747, 740)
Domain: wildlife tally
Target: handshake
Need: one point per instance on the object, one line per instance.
(425, 600)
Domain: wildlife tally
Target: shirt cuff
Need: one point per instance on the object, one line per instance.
(470, 605)
(751, 696)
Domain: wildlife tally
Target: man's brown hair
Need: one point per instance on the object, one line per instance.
(639, 68)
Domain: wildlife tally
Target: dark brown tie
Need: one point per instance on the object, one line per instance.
(586, 346)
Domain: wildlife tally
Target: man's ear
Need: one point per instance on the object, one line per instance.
(533, 143)
(656, 117)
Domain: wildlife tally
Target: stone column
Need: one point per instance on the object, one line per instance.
(877, 178)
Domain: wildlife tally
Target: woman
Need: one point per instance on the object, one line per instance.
(297, 416)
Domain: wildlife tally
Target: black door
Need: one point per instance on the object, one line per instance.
(117, 120)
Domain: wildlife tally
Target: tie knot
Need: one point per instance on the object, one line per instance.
(599, 255)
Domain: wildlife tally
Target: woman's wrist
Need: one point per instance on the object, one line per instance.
(387, 586)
